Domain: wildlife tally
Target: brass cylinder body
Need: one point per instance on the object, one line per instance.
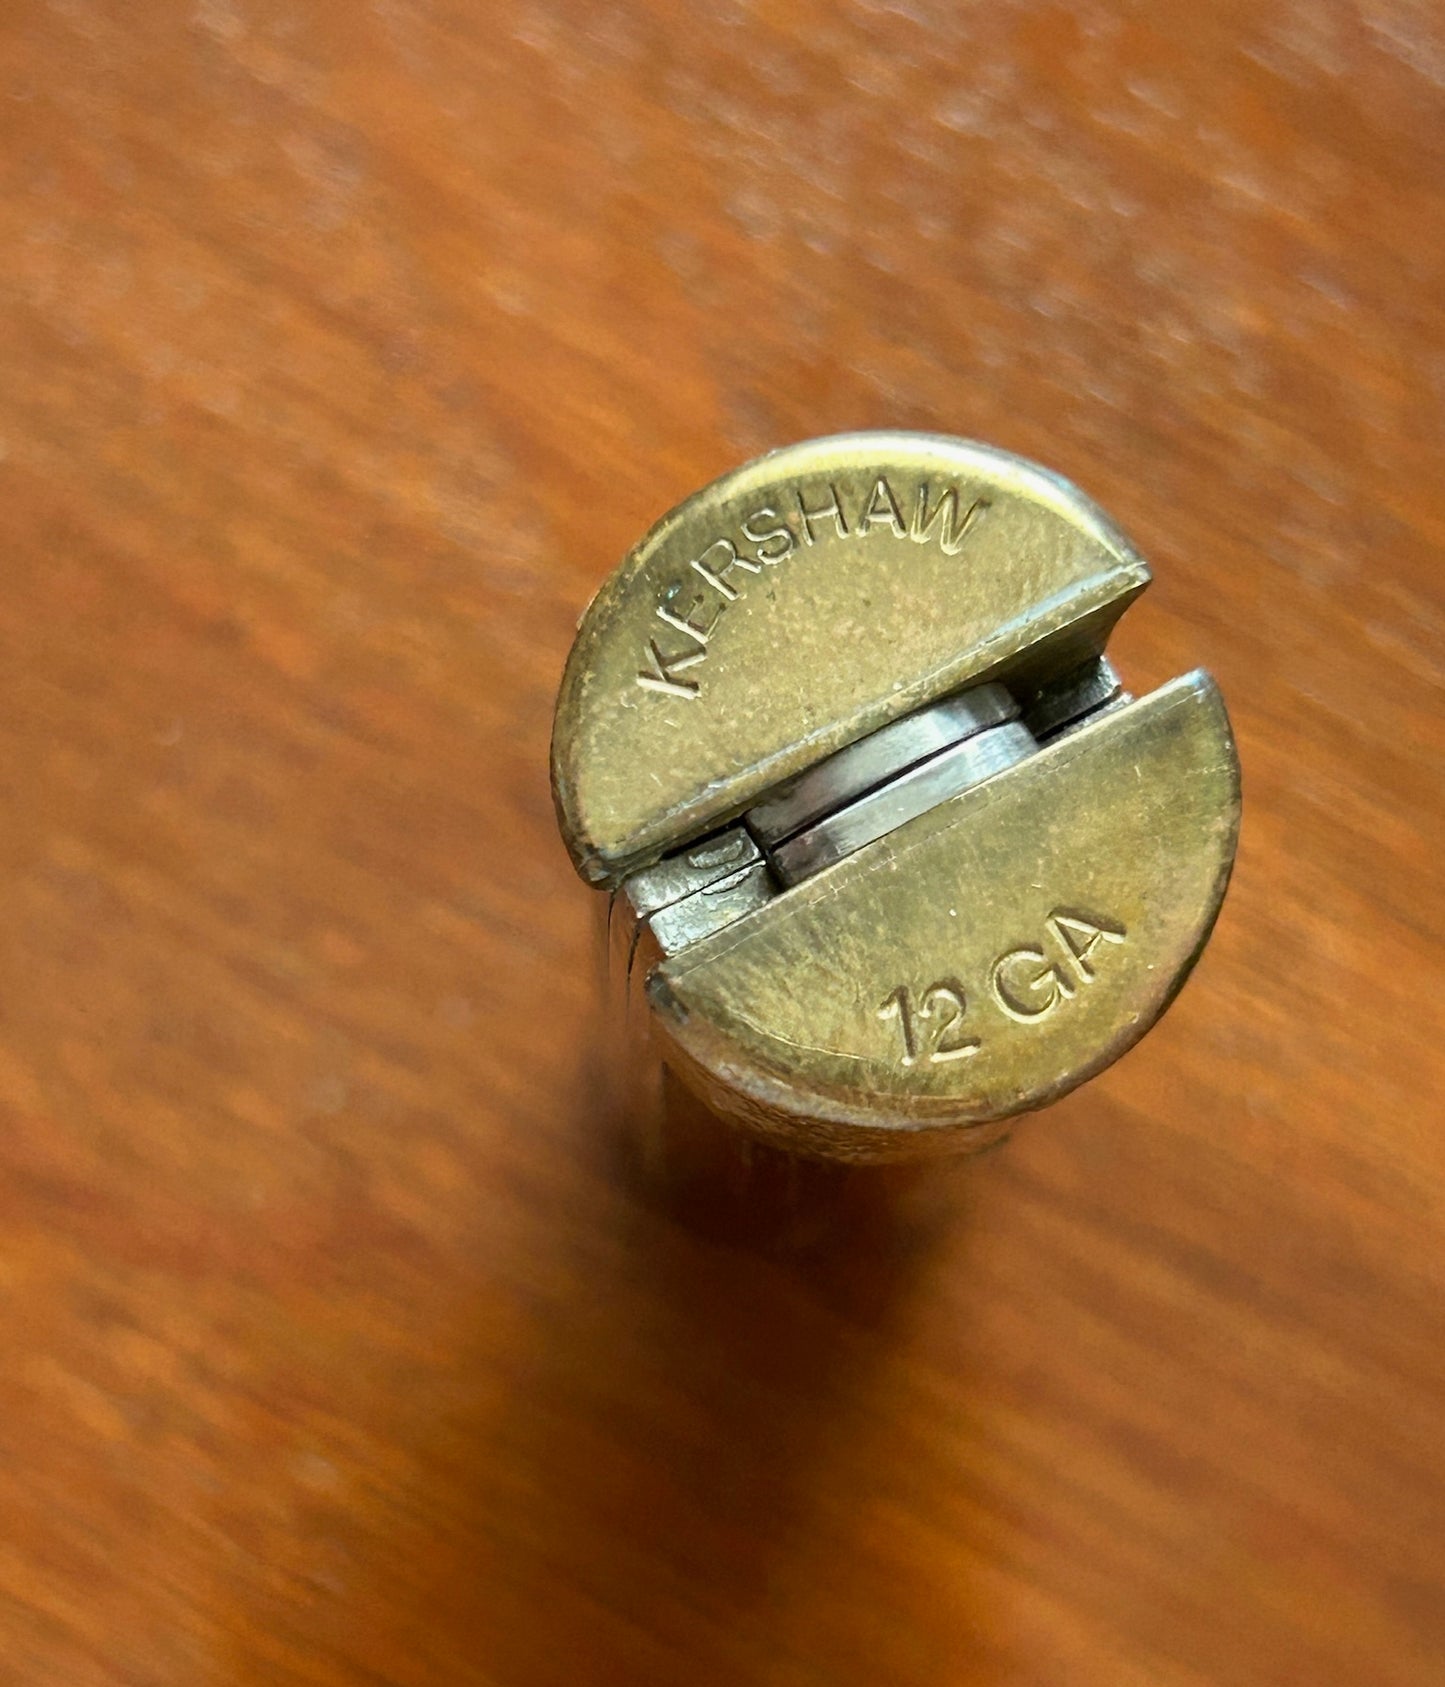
(889, 854)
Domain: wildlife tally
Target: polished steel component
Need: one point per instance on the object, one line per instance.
(839, 778)
(710, 909)
(694, 870)
(704, 888)
(903, 799)
(893, 855)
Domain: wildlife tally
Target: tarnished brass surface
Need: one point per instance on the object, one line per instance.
(1032, 929)
(744, 640)
(893, 950)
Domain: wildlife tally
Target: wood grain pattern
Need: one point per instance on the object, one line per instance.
(345, 347)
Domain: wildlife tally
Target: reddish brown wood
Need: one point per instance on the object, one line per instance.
(345, 347)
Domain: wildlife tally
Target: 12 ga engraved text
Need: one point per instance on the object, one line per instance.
(1028, 984)
(931, 1028)
(690, 607)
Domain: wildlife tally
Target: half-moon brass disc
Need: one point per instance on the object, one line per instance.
(981, 960)
(807, 600)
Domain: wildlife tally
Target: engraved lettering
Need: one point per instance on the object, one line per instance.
(900, 1003)
(717, 575)
(716, 579)
(954, 528)
(883, 511)
(933, 1030)
(776, 544)
(661, 676)
(833, 509)
(1081, 936)
(1027, 985)
(667, 612)
(945, 1005)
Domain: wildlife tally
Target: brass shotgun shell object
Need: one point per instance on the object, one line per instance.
(891, 854)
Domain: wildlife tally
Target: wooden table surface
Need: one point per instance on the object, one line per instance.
(345, 348)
